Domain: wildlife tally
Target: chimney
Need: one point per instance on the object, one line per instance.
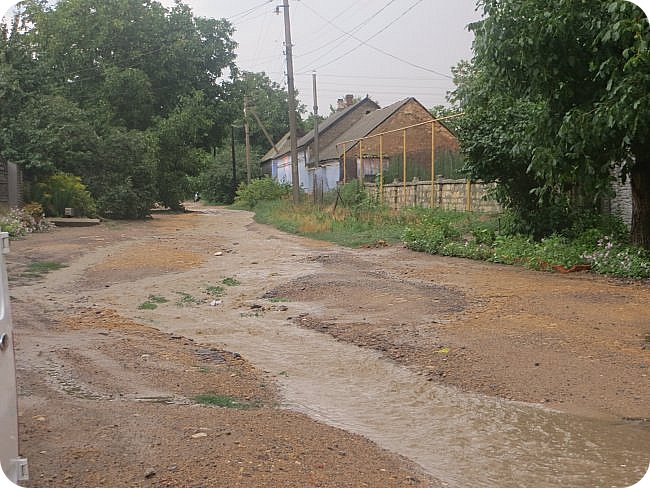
(349, 100)
(340, 104)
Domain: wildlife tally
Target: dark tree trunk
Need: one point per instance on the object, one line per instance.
(640, 179)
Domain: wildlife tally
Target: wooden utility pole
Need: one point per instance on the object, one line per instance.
(263, 127)
(293, 131)
(234, 162)
(316, 148)
(248, 141)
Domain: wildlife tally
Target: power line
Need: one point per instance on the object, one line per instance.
(248, 11)
(354, 29)
(346, 10)
(370, 77)
(365, 43)
(250, 19)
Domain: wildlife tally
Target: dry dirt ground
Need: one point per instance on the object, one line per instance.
(107, 394)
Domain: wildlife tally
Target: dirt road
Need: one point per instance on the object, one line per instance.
(114, 348)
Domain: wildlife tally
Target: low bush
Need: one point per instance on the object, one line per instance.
(61, 191)
(260, 190)
(124, 201)
(359, 221)
(616, 259)
(450, 234)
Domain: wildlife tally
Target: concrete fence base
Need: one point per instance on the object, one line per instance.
(448, 194)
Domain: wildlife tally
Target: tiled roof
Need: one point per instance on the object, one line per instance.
(284, 145)
(362, 128)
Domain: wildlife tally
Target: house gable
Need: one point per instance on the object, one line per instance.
(404, 113)
(328, 130)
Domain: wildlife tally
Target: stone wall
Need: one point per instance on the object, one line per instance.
(621, 204)
(447, 194)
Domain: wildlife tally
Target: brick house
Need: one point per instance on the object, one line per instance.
(404, 113)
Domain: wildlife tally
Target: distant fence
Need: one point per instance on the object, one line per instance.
(448, 194)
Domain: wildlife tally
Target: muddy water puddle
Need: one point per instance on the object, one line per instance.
(462, 439)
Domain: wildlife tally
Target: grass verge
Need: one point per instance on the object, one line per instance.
(37, 269)
(602, 249)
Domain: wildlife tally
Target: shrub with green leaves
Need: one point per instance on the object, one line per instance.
(450, 234)
(61, 191)
(124, 201)
(262, 189)
(353, 194)
(215, 183)
(433, 229)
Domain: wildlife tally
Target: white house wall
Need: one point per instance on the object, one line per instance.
(282, 171)
(325, 177)
(303, 173)
(282, 168)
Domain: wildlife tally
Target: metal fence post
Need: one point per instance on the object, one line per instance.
(381, 168)
(433, 160)
(345, 165)
(404, 165)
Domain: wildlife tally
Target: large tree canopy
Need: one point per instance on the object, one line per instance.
(127, 94)
(556, 98)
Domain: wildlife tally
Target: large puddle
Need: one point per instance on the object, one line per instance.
(461, 439)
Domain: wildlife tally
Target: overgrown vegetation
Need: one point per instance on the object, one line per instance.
(357, 220)
(22, 221)
(350, 217)
(260, 190)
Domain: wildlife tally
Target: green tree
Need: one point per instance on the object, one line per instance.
(123, 176)
(91, 46)
(126, 94)
(50, 134)
(216, 181)
(560, 94)
(180, 155)
(269, 101)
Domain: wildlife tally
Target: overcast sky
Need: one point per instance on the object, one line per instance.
(388, 49)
